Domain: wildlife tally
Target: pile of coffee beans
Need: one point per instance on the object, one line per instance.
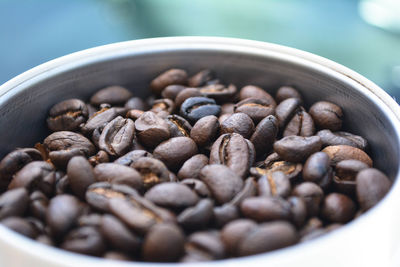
(199, 171)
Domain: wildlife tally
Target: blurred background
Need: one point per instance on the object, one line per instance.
(362, 35)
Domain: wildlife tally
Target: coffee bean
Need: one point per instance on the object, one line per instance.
(92, 219)
(238, 123)
(301, 124)
(286, 92)
(38, 205)
(136, 103)
(116, 138)
(285, 111)
(330, 138)
(171, 91)
(20, 225)
(225, 214)
(153, 171)
(67, 115)
(131, 157)
(372, 185)
(264, 135)
(134, 114)
(199, 187)
(175, 151)
(344, 180)
(195, 108)
(312, 195)
(223, 183)
(227, 108)
(267, 237)
(62, 214)
(178, 126)
(223, 117)
(207, 243)
(151, 130)
(84, 240)
(100, 157)
(80, 175)
(118, 174)
(219, 92)
(234, 232)
(233, 151)
(163, 107)
(163, 243)
(192, 167)
(172, 76)
(256, 108)
(290, 169)
(201, 78)
(327, 115)
(297, 148)
(13, 203)
(298, 211)
(118, 235)
(113, 95)
(185, 94)
(198, 216)
(249, 189)
(172, 195)
(343, 152)
(101, 118)
(205, 130)
(274, 184)
(317, 169)
(338, 208)
(263, 209)
(253, 91)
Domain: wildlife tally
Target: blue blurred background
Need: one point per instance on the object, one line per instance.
(35, 31)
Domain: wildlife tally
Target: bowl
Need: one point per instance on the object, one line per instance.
(373, 239)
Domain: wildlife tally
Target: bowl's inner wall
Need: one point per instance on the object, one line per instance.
(24, 109)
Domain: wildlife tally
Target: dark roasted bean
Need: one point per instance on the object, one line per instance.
(286, 92)
(20, 225)
(256, 108)
(205, 130)
(136, 103)
(197, 186)
(207, 243)
(234, 232)
(343, 152)
(201, 78)
(80, 175)
(172, 195)
(312, 195)
(130, 157)
(67, 115)
(13, 203)
(85, 240)
(195, 108)
(225, 214)
(253, 91)
(185, 94)
(338, 208)
(317, 169)
(153, 171)
(327, 115)
(263, 209)
(330, 138)
(298, 211)
(239, 123)
(274, 184)
(100, 157)
(38, 205)
(172, 76)
(163, 107)
(101, 118)
(249, 189)
(264, 135)
(286, 110)
(290, 169)
(113, 95)
(227, 108)
(151, 130)
(171, 91)
(191, 168)
(198, 216)
(118, 174)
(219, 92)
(178, 126)
(134, 114)
(301, 124)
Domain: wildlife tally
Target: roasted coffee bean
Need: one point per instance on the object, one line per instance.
(153, 171)
(118, 174)
(116, 138)
(239, 123)
(301, 124)
(191, 168)
(290, 169)
(317, 169)
(91, 110)
(195, 108)
(20, 225)
(225, 214)
(338, 208)
(256, 108)
(264, 135)
(298, 211)
(285, 111)
(372, 186)
(80, 175)
(38, 205)
(172, 195)
(274, 184)
(207, 243)
(119, 236)
(219, 92)
(227, 108)
(249, 189)
(13, 203)
(35, 175)
(98, 195)
(163, 243)
(223, 117)
(178, 126)
(172, 76)
(113, 95)
(134, 114)
(64, 145)
(67, 115)
(92, 219)
(312, 195)
(130, 157)
(198, 216)
(201, 78)
(234, 232)
(101, 118)
(344, 180)
(15, 161)
(100, 157)
(252, 91)
(330, 138)
(267, 237)
(263, 209)
(327, 115)
(205, 130)
(343, 152)
(84, 240)
(151, 130)
(171, 91)
(297, 148)
(233, 151)
(136, 103)
(175, 151)
(138, 213)
(185, 94)
(286, 92)
(62, 185)
(62, 214)
(163, 107)
(223, 183)
(199, 187)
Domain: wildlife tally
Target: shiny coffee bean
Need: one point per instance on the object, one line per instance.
(118, 174)
(327, 115)
(256, 108)
(136, 103)
(234, 232)
(13, 203)
(274, 184)
(151, 130)
(38, 205)
(301, 124)
(252, 91)
(264, 135)
(297, 148)
(195, 108)
(201, 78)
(163, 107)
(113, 95)
(100, 157)
(286, 110)
(84, 240)
(198, 186)
(171, 91)
(101, 118)
(298, 211)
(130, 157)
(191, 168)
(67, 115)
(172, 76)
(188, 92)
(20, 225)
(134, 114)
(205, 130)
(178, 126)
(263, 209)
(343, 152)
(219, 92)
(207, 243)
(317, 169)
(225, 214)
(312, 195)
(286, 92)
(239, 123)
(198, 216)
(291, 170)
(152, 171)
(330, 138)
(80, 175)
(249, 189)
(338, 208)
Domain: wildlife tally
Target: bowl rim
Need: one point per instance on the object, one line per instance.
(68, 62)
